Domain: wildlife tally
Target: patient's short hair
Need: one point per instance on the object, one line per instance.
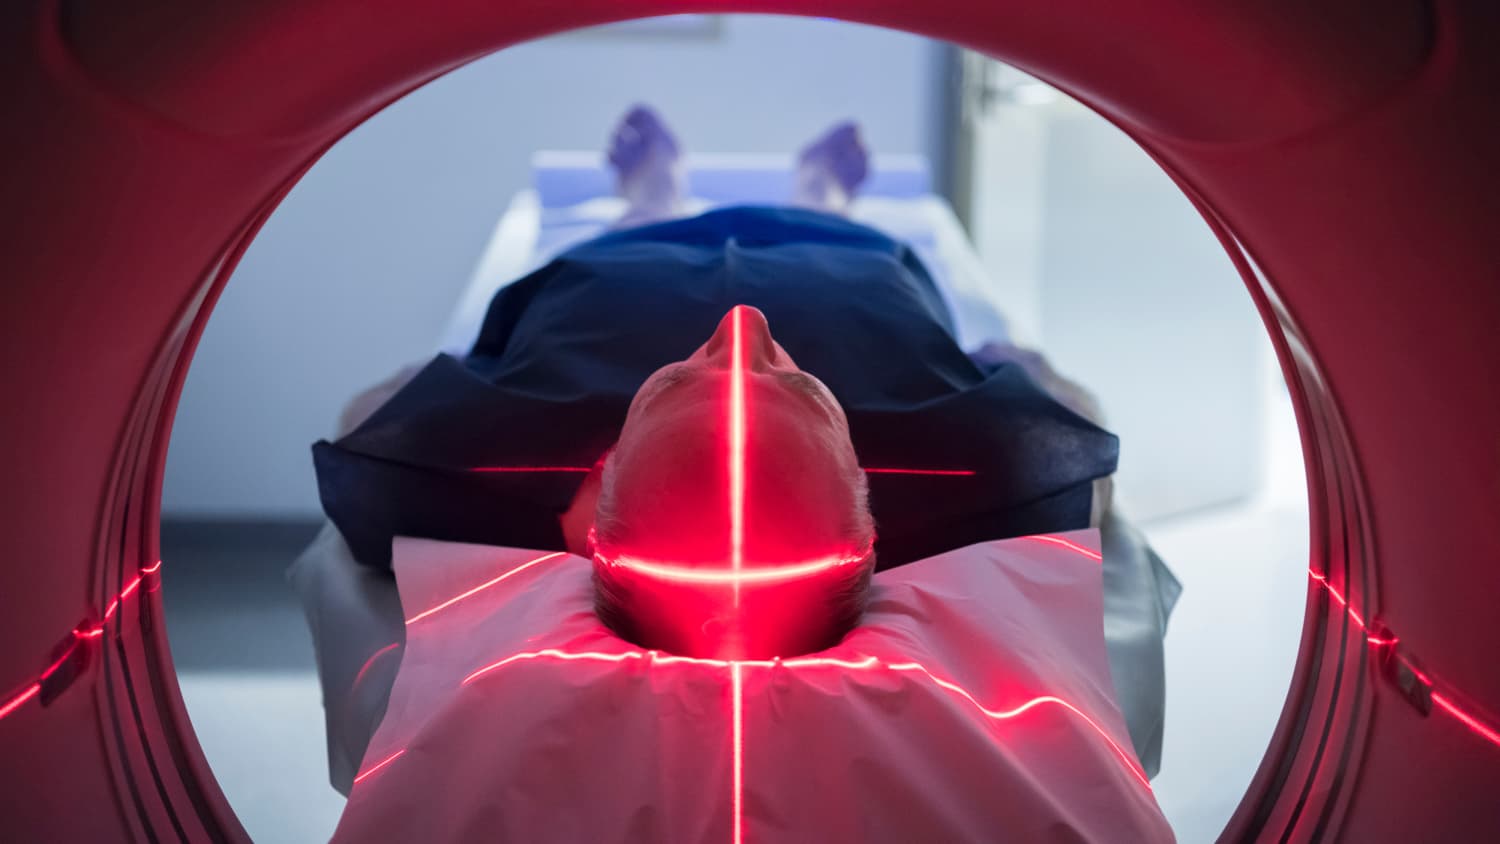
(816, 613)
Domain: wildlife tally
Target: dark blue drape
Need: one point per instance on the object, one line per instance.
(562, 351)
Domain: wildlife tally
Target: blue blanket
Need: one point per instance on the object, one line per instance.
(562, 352)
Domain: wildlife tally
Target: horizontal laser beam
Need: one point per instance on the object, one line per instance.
(731, 576)
(866, 664)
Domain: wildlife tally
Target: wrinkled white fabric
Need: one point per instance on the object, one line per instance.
(906, 731)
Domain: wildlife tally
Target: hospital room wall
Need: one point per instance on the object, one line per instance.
(355, 273)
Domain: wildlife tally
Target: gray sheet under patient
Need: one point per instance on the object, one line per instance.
(355, 616)
(354, 613)
(1139, 594)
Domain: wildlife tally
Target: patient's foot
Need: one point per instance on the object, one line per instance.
(645, 156)
(831, 169)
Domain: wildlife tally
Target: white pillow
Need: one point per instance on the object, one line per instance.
(973, 703)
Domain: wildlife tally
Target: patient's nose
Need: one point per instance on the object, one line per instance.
(754, 335)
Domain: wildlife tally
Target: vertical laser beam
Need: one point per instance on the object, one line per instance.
(737, 749)
(737, 446)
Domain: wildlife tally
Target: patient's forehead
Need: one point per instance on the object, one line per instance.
(673, 496)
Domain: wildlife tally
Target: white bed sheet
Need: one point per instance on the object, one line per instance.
(528, 235)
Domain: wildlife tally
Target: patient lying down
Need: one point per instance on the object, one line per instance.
(721, 665)
(704, 637)
(733, 468)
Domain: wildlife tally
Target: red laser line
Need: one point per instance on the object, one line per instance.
(867, 663)
(1477, 726)
(1005, 715)
(933, 472)
(553, 653)
(1480, 728)
(1348, 608)
(827, 661)
(1071, 546)
(780, 571)
(58, 663)
(134, 584)
(14, 703)
(371, 661)
(483, 586)
(381, 764)
(501, 469)
(950, 473)
(1338, 596)
(734, 576)
(737, 749)
(1415, 670)
(81, 634)
(737, 435)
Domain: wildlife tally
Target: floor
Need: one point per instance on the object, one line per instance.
(1232, 642)
(245, 664)
(248, 677)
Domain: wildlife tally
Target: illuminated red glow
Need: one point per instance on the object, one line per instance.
(364, 669)
(1071, 546)
(67, 654)
(379, 765)
(737, 749)
(82, 634)
(1342, 601)
(114, 605)
(736, 668)
(1043, 700)
(733, 576)
(483, 586)
(15, 702)
(938, 473)
(737, 435)
(1478, 727)
(1475, 725)
(864, 664)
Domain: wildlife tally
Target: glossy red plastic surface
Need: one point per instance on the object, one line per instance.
(1346, 147)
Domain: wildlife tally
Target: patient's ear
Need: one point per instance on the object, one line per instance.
(577, 522)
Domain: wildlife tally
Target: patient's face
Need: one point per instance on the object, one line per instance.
(677, 479)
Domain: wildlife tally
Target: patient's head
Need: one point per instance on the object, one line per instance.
(732, 519)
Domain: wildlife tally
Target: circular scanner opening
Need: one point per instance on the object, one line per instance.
(1070, 242)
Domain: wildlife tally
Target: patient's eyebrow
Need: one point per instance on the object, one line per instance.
(662, 380)
(674, 374)
(810, 387)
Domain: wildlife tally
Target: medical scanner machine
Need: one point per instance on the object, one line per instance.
(1343, 152)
